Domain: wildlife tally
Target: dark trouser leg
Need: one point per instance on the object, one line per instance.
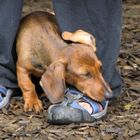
(10, 12)
(103, 20)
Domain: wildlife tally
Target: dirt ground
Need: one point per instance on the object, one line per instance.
(123, 119)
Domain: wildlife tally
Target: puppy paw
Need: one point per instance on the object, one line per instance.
(33, 105)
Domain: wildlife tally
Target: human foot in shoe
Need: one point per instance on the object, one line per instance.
(76, 108)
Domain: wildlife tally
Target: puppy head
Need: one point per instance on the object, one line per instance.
(84, 72)
(53, 82)
(78, 66)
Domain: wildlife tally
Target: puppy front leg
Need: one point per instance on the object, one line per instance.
(30, 97)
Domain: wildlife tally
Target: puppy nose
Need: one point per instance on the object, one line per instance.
(108, 95)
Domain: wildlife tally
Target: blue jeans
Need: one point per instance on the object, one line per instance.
(10, 14)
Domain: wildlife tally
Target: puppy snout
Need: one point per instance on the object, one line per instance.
(108, 91)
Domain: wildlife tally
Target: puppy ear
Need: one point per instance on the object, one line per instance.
(81, 37)
(53, 82)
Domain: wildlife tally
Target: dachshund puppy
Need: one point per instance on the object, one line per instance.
(42, 52)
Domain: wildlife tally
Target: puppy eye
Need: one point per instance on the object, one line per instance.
(87, 75)
(101, 69)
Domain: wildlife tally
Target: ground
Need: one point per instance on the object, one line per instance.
(123, 119)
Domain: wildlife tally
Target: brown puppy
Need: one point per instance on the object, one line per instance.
(42, 52)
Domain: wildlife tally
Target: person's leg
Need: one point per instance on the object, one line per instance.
(10, 13)
(103, 20)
